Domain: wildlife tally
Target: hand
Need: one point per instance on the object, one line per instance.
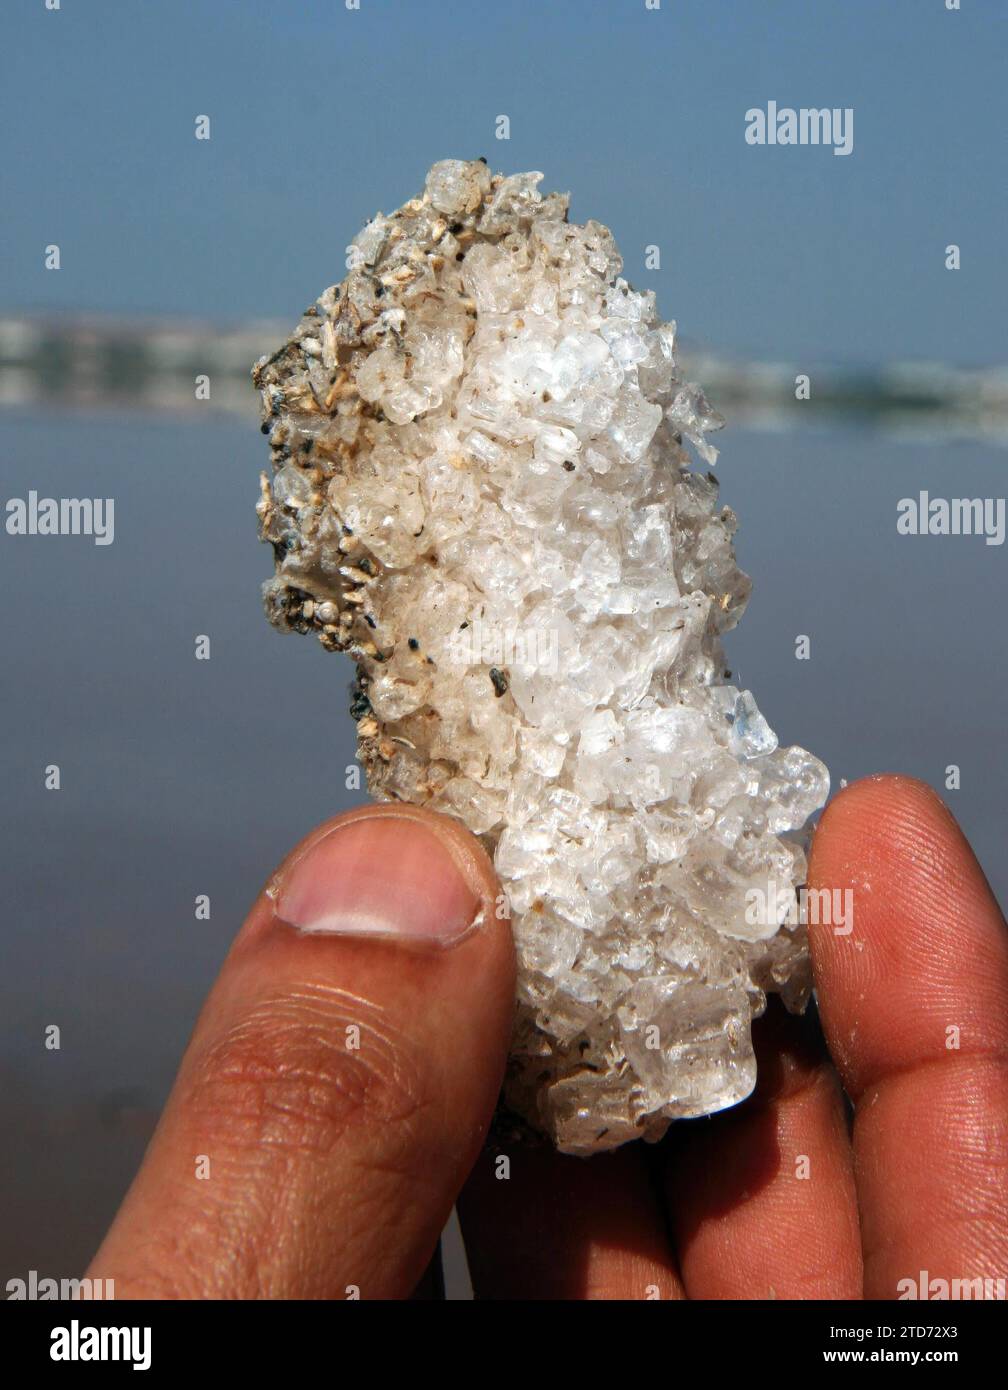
(339, 1083)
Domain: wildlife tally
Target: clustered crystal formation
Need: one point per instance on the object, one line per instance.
(481, 490)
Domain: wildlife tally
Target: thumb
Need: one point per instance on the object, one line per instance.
(340, 1079)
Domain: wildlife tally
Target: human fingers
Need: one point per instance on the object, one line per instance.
(340, 1078)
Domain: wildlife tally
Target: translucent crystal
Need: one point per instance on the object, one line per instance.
(481, 490)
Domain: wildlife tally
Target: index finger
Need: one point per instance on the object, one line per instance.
(914, 1006)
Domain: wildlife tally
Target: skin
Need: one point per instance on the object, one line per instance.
(875, 1146)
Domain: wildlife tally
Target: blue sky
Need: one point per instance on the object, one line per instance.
(320, 116)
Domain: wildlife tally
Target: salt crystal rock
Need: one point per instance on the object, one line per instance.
(481, 490)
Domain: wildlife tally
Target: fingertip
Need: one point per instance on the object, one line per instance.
(925, 939)
(386, 872)
(874, 806)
